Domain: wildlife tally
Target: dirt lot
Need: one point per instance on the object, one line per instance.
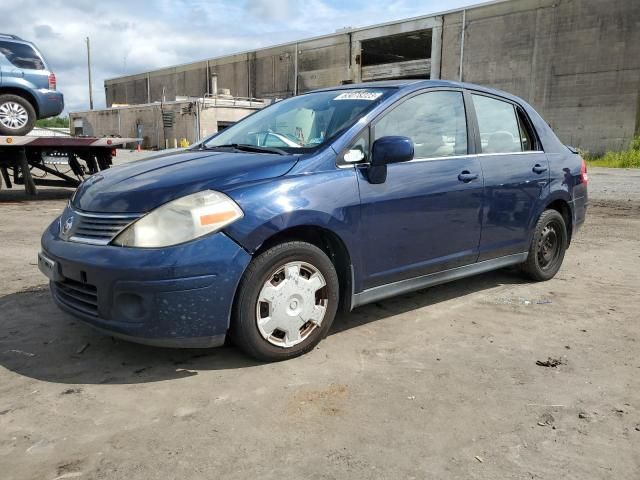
(442, 383)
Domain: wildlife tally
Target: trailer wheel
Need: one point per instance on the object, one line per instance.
(17, 115)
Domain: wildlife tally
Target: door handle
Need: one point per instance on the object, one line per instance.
(539, 168)
(466, 176)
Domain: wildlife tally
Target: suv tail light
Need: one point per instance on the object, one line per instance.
(52, 81)
(584, 178)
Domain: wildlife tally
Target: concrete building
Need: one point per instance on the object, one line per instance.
(576, 61)
(162, 125)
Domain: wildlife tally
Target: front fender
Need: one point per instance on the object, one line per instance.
(326, 199)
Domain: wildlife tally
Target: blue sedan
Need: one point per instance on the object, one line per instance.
(325, 201)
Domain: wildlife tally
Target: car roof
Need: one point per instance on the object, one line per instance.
(6, 37)
(418, 84)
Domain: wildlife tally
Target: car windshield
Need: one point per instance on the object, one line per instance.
(303, 123)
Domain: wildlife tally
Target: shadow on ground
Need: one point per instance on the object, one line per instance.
(39, 341)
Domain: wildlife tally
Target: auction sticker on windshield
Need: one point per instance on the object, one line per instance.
(359, 95)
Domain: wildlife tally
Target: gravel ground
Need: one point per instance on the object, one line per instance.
(441, 383)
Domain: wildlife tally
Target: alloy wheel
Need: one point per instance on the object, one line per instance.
(13, 115)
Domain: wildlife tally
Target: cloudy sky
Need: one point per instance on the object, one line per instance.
(134, 36)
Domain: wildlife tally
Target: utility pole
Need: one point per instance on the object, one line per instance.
(89, 69)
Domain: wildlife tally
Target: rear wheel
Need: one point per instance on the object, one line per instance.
(286, 302)
(548, 247)
(17, 115)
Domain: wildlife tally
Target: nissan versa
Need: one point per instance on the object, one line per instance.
(324, 201)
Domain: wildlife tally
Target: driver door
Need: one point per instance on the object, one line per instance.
(426, 216)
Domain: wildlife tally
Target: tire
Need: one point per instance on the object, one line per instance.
(274, 302)
(17, 115)
(548, 247)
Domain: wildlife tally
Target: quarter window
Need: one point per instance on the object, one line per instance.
(527, 139)
(21, 55)
(435, 121)
(500, 129)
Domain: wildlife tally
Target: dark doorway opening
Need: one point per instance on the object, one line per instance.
(406, 55)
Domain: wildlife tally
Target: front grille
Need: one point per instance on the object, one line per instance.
(78, 296)
(98, 229)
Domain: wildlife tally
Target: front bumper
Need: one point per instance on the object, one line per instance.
(179, 296)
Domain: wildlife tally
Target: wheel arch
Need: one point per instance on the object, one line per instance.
(20, 92)
(558, 200)
(330, 243)
(562, 206)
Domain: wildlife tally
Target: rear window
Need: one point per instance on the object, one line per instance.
(21, 55)
(498, 123)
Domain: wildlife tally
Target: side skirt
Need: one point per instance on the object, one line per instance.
(411, 284)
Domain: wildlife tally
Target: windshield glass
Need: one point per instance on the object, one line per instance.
(302, 123)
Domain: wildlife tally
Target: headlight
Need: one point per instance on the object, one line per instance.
(181, 220)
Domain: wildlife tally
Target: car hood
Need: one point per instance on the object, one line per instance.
(140, 186)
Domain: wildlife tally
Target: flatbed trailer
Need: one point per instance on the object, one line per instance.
(54, 161)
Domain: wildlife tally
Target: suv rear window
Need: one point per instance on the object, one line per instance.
(21, 55)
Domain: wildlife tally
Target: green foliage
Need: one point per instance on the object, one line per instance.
(53, 122)
(627, 159)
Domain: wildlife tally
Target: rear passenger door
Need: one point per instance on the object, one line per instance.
(516, 172)
(426, 216)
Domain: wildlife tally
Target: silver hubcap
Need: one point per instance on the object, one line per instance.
(13, 115)
(291, 304)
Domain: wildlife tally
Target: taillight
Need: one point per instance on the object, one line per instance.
(113, 152)
(52, 81)
(584, 178)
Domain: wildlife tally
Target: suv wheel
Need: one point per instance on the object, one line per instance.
(286, 302)
(17, 115)
(547, 247)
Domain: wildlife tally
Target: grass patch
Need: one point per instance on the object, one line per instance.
(59, 122)
(627, 159)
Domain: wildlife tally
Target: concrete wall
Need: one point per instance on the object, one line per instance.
(576, 61)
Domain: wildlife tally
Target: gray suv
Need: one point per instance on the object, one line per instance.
(27, 87)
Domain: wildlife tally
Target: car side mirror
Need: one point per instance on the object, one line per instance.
(388, 150)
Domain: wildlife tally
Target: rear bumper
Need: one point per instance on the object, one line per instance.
(180, 296)
(579, 209)
(50, 103)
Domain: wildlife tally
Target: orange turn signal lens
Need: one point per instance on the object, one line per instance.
(212, 218)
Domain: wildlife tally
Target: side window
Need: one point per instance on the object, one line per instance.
(435, 121)
(499, 126)
(21, 56)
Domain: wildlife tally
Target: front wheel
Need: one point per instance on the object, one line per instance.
(286, 302)
(548, 246)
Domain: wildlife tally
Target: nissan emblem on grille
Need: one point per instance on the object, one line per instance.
(66, 227)
(93, 228)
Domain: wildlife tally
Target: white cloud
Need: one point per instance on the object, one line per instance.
(132, 37)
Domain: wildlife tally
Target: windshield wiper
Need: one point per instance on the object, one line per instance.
(249, 148)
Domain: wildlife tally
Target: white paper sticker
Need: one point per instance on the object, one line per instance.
(359, 95)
